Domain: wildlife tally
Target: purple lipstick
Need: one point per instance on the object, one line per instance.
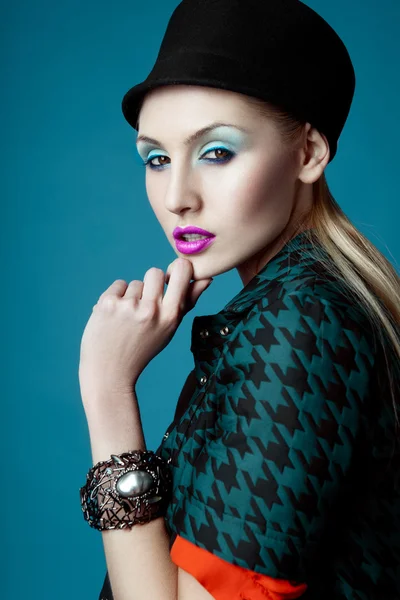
(191, 246)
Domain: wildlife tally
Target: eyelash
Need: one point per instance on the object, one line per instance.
(159, 167)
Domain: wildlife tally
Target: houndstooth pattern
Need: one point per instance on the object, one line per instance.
(283, 450)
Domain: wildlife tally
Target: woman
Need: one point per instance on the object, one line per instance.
(278, 476)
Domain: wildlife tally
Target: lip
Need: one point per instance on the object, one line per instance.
(194, 246)
(178, 231)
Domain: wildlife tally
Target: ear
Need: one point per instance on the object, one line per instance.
(314, 155)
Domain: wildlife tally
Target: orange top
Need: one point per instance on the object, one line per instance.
(225, 581)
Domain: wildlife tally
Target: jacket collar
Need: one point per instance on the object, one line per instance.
(296, 259)
(284, 266)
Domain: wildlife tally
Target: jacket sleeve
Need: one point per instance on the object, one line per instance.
(271, 486)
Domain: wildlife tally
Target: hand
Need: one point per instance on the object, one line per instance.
(131, 324)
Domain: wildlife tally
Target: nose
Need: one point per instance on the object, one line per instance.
(182, 193)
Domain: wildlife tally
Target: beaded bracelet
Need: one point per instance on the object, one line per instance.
(128, 489)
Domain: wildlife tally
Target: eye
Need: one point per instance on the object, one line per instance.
(162, 158)
(218, 152)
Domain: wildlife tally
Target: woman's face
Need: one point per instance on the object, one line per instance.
(238, 182)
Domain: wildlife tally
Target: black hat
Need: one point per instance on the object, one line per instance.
(280, 51)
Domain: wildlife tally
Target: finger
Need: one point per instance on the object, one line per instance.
(117, 288)
(171, 267)
(134, 289)
(153, 284)
(181, 271)
(168, 271)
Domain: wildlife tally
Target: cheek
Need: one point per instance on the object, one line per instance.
(263, 188)
(151, 188)
(155, 190)
(154, 194)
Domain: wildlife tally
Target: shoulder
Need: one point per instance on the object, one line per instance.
(314, 305)
(312, 337)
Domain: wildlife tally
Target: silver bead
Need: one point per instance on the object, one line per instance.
(154, 499)
(134, 483)
(203, 380)
(204, 333)
(224, 330)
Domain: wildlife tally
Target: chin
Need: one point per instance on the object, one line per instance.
(210, 270)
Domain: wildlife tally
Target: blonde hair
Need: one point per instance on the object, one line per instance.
(370, 278)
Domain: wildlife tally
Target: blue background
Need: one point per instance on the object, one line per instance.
(76, 217)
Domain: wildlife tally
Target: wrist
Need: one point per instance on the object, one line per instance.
(114, 436)
(105, 396)
(114, 422)
(98, 386)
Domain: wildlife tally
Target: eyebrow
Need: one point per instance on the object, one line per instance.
(194, 136)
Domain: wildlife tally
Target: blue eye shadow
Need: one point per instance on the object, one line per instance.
(233, 138)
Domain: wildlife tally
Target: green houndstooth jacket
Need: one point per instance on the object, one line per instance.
(283, 448)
